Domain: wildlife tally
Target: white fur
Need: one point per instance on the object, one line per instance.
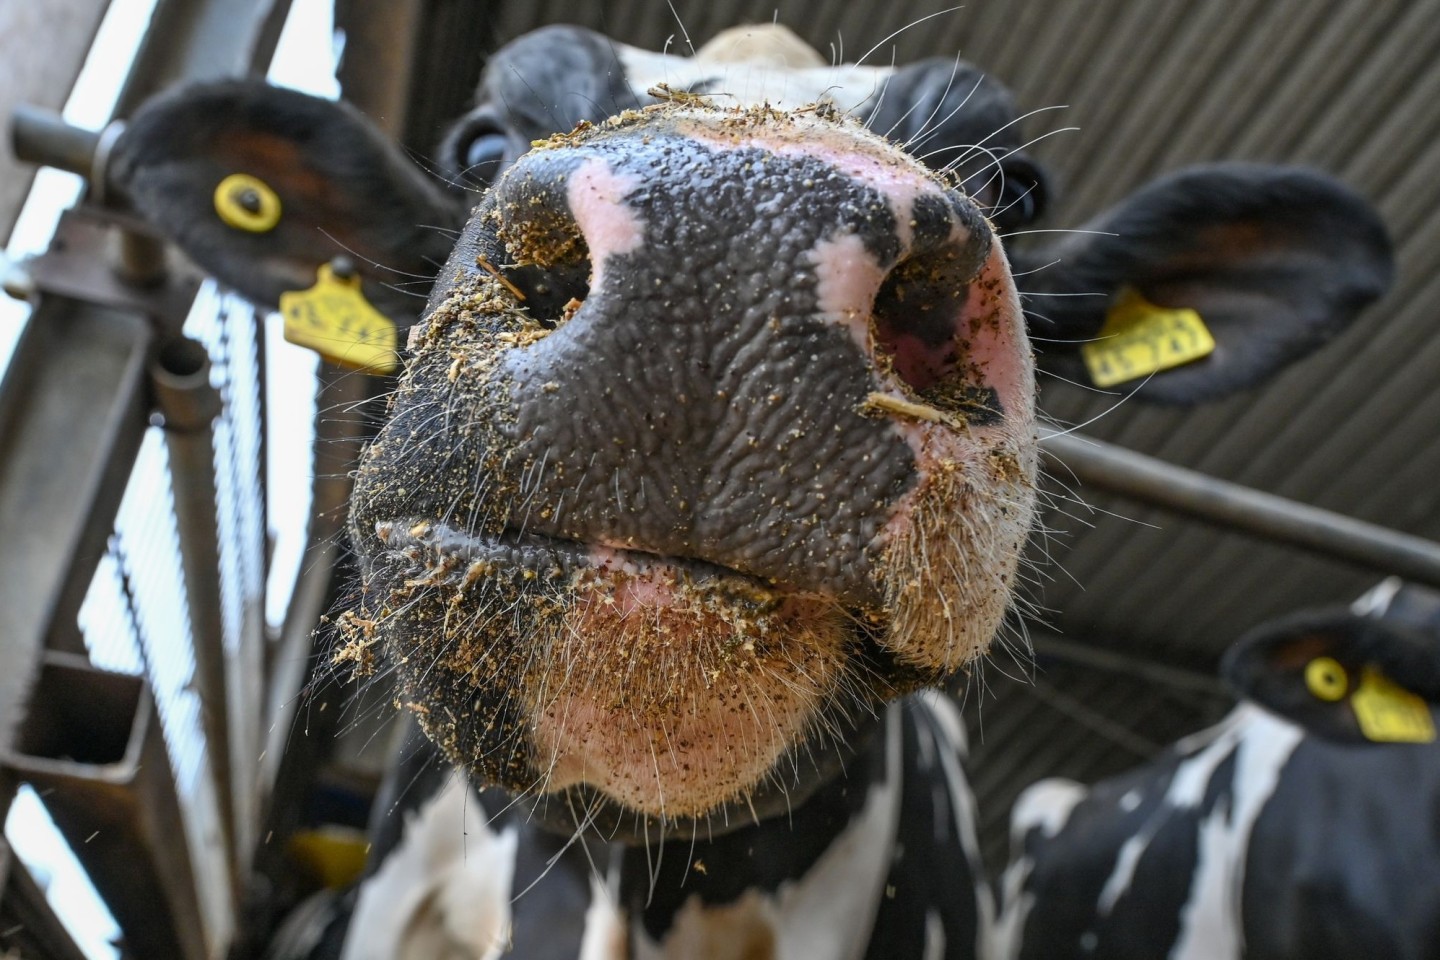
(444, 892)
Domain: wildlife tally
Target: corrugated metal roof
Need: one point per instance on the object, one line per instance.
(1347, 86)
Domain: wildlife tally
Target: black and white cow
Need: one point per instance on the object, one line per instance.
(716, 441)
(1304, 824)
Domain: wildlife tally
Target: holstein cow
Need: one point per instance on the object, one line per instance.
(1304, 824)
(715, 443)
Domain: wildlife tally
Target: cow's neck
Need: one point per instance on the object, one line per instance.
(807, 884)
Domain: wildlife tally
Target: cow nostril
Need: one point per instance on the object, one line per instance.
(916, 320)
(551, 294)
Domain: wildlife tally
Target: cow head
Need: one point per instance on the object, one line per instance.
(718, 430)
(1344, 676)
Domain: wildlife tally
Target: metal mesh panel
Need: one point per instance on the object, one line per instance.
(228, 328)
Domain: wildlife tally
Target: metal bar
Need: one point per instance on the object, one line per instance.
(42, 48)
(1235, 507)
(91, 745)
(193, 40)
(72, 415)
(180, 377)
(28, 927)
(41, 136)
(80, 265)
(1111, 661)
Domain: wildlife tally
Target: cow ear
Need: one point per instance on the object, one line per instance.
(1271, 261)
(260, 186)
(1341, 676)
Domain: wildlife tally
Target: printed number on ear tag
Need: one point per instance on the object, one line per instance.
(1140, 338)
(334, 319)
(1388, 713)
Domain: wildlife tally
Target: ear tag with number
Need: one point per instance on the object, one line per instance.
(1388, 713)
(334, 319)
(1140, 338)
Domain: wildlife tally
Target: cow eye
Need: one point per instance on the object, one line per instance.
(1326, 679)
(484, 154)
(1022, 196)
(476, 147)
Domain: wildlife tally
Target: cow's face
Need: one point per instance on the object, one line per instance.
(719, 428)
(945, 112)
(721, 431)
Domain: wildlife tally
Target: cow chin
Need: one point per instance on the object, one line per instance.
(668, 688)
(671, 693)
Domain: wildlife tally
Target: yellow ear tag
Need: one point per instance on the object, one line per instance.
(247, 203)
(334, 319)
(1140, 338)
(1388, 713)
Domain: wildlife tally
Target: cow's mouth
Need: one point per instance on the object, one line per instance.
(660, 682)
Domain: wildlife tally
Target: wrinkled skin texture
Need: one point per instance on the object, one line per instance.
(768, 471)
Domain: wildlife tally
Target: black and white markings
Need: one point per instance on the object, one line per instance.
(1295, 827)
(883, 863)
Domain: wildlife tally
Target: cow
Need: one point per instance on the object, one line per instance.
(1306, 823)
(714, 447)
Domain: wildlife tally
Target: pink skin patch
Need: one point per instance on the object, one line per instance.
(999, 347)
(846, 279)
(993, 467)
(596, 195)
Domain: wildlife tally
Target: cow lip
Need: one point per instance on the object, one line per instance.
(448, 553)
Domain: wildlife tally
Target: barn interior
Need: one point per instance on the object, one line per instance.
(147, 695)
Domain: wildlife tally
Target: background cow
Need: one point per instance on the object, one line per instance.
(795, 539)
(1305, 824)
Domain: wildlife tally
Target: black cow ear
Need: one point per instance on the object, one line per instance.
(1266, 262)
(260, 186)
(1341, 676)
(1299, 669)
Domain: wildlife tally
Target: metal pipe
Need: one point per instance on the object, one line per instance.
(139, 258)
(180, 377)
(1229, 505)
(42, 137)
(1112, 661)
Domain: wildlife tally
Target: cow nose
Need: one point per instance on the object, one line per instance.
(714, 316)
